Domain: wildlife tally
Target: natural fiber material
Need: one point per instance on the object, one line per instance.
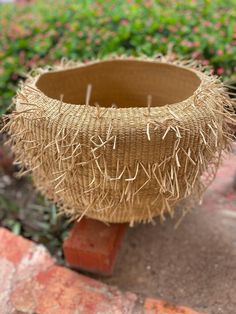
(123, 139)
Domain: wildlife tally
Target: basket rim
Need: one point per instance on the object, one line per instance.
(203, 79)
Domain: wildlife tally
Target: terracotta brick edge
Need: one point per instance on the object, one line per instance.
(31, 282)
(155, 306)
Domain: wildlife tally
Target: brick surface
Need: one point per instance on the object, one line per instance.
(154, 306)
(30, 282)
(61, 291)
(93, 246)
(7, 270)
(12, 247)
(37, 260)
(20, 259)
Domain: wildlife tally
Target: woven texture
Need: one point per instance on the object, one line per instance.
(124, 139)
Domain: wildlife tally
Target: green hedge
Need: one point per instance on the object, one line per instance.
(45, 31)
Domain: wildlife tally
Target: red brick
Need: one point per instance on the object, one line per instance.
(37, 260)
(154, 306)
(24, 296)
(7, 272)
(13, 247)
(93, 246)
(20, 259)
(61, 291)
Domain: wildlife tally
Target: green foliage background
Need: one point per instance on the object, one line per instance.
(43, 32)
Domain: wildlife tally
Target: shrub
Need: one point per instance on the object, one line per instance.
(45, 31)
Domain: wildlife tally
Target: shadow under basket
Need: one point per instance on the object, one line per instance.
(124, 139)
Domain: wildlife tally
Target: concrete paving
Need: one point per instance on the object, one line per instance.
(194, 265)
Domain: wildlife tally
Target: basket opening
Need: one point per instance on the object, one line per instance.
(126, 83)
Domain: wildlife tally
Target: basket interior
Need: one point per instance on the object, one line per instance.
(125, 83)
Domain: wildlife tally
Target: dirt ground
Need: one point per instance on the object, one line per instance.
(194, 265)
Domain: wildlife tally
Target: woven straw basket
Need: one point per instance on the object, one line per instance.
(122, 139)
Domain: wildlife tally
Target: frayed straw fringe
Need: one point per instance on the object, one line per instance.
(84, 159)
